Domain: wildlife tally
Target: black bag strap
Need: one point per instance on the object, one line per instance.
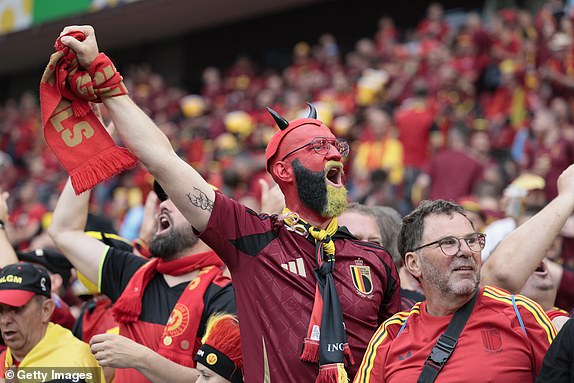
(446, 343)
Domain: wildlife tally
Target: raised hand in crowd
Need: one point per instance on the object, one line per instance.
(138, 131)
(7, 252)
(272, 199)
(522, 251)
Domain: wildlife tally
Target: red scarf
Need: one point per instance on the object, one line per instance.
(189, 307)
(72, 130)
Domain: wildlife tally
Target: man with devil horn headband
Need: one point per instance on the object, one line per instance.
(309, 295)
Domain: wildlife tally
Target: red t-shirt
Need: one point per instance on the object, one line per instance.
(415, 124)
(453, 175)
(272, 272)
(491, 348)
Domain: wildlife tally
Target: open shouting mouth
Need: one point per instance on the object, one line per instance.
(163, 222)
(334, 174)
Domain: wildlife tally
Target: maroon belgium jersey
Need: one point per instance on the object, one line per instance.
(272, 271)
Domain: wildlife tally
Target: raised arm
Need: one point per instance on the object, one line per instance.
(186, 188)
(519, 254)
(67, 232)
(7, 253)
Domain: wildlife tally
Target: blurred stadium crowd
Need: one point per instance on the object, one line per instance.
(435, 112)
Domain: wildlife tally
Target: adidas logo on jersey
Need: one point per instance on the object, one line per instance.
(296, 267)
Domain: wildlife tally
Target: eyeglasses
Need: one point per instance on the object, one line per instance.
(451, 245)
(322, 145)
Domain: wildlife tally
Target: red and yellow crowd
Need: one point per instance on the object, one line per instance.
(478, 112)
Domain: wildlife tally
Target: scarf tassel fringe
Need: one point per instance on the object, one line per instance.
(101, 167)
(310, 351)
(129, 311)
(332, 373)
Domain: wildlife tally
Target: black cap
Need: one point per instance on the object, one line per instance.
(20, 282)
(52, 260)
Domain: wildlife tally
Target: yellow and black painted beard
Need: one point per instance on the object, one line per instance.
(313, 191)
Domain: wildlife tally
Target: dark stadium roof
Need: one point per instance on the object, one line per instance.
(135, 23)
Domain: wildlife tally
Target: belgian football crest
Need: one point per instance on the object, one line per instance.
(491, 340)
(361, 276)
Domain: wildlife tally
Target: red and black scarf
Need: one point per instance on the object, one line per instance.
(71, 128)
(128, 307)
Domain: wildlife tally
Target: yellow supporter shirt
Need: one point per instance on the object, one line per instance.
(60, 355)
(386, 154)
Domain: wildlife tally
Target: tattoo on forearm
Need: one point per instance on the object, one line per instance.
(199, 199)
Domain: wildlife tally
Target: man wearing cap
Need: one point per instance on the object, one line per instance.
(162, 303)
(309, 295)
(60, 270)
(32, 340)
(57, 266)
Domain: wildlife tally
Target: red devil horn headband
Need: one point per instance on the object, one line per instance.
(282, 123)
(285, 127)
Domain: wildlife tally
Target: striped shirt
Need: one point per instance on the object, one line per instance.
(493, 347)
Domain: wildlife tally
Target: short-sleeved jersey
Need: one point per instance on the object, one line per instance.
(556, 312)
(273, 275)
(158, 302)
(492, 347)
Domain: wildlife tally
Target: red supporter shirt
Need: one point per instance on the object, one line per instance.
(557, 312)
(272, 272)
(415, 124)
(62, 314)
(96, 318)
(491, 348)
(158, 302)
(453, 174)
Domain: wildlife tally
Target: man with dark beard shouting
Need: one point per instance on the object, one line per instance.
(162, 303)
(309, 295)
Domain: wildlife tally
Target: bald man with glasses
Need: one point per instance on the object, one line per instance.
(462, 331)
